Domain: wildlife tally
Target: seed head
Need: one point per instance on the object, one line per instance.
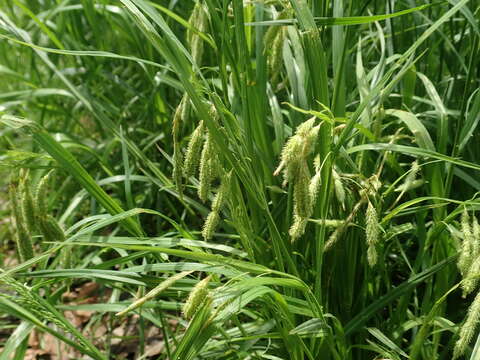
(471, 279)
(465, 258)
(196, 298)
(413, 172)
(206, 169)
(180, 116)
(476, 237)
(199, 21)
(289, 159)
(222, 193)
(295, 168)
(303, 130)
(468, 328)
(210, 225)
(310, 141)
(314, 186)
(372, 256)
(192, 157)
(339, 189)
(298, 227)
(22, 235)
(297, 149)
(301, 193)
(275, 57)
(51, 230)
(332, 239)
(372, 233)
(27, 205)
(41, 204)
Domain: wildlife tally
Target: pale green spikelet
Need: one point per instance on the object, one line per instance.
(296, 150)
(270, 36)
(51, 230)
(289, 159)
(40, 202)
(217, 169)
(295, 168)
(339, 189)
(303, 130)
(198, 20)
(372, 256)
(317, 164)
(197, 297)
(185, 109)
(332, 223)
(298, 227)
(273, 31)
(332, 239)
(470, 281)
(210, 225)
(314, 186)
(316, 180)
(465, 258)
(222, 193)
(413, 173)
(213, 112)
(274, 40)
(27, 205)
(468, 328)
(206, 170)
(476, 237)
(192, 156)
(310, 140)
(301, 193)
(414, 184)
(178, 118)
(14, 204)
(372, 233)
(22, 235)
(213, 217)
(180, 115)
(275, 57)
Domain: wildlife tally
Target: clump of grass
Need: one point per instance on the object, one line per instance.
(276, 115)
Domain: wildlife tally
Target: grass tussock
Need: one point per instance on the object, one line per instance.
(240, 179)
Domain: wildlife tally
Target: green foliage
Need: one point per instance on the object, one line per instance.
(166, 124)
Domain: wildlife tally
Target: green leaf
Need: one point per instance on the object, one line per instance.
(312, 328)
(412, 151)
(336, 21)
(363, 316)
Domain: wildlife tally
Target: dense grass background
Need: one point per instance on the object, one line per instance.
(107, 93)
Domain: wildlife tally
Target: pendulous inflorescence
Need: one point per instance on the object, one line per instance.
(469, 267)
(197, 297)
(294, 165)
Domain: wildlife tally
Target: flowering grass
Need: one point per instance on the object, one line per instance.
(257, 179)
